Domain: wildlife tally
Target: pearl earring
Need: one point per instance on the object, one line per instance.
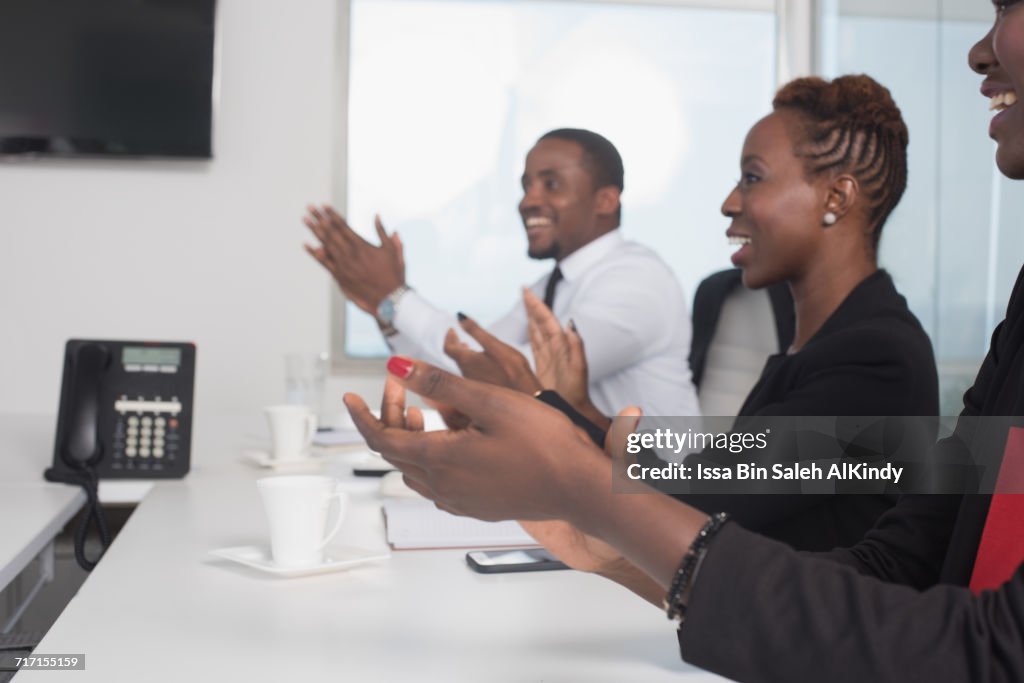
(830, 218)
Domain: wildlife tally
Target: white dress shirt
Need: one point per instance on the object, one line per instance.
(628, 308)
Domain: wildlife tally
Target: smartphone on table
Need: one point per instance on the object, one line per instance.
(512, 560)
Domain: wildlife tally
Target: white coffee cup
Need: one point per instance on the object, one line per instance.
(297, 511)
(291, 431)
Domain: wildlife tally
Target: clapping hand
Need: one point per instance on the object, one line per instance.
(366, 273)
(559, 358)
(498, 363)
(517, 458)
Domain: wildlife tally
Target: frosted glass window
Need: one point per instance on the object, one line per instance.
(446, 98)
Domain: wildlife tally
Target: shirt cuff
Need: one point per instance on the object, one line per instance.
(414, 315)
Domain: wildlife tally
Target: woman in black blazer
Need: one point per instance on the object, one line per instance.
(755, 610)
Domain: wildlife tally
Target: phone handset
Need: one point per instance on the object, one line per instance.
(80, 447)
(80, 443)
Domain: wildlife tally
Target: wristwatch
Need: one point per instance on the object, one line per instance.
(387, 309)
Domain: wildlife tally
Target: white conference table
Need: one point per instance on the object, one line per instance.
(160, 608)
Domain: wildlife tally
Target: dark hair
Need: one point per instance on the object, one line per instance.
(852, 125)
(600, 157)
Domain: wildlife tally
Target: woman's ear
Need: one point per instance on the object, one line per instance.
(842, 196)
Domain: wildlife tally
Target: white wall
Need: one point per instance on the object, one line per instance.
(203, 251)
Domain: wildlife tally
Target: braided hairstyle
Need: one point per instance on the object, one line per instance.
(851, 125)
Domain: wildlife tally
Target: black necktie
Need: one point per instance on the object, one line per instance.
(549, 291)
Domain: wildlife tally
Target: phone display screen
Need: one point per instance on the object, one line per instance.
(150, 355)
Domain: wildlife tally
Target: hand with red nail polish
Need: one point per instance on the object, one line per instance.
(520, 459)
(515, 458)
(401, 367)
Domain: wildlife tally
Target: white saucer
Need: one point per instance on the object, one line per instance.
(338, 557)
(263, 459)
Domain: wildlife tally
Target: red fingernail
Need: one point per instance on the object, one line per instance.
(400, 367)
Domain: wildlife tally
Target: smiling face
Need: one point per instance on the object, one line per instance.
(999, 56)
(776, 210)
(561, 209)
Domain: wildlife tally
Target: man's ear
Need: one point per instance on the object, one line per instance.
(842, 196)
(607, 200)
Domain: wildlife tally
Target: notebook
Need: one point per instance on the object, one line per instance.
(418, 524)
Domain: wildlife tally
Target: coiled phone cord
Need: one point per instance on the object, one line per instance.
(86, 478)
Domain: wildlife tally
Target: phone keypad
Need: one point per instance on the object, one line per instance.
(145, 441)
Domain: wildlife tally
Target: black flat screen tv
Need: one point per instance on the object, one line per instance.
(128, 78)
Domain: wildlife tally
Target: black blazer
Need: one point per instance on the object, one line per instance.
(871, 357)
(761, 612)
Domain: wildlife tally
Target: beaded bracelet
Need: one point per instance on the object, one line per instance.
(675, 609)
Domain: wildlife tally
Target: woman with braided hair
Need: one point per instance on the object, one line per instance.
(819, 177)
(837, 153)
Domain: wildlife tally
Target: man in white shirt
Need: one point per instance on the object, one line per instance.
(624, 300)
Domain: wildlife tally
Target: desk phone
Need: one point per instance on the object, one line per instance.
(126, 409)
